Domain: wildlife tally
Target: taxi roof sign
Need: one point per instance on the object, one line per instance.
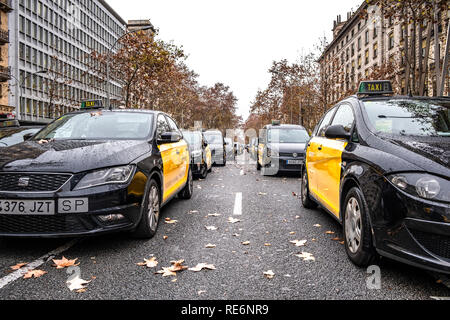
(276, 122)
(378, 87)
(92, 104)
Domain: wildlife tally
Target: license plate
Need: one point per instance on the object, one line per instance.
(27, 207)
(294, 162)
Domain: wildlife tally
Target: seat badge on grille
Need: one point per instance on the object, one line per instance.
(23, 182)
(295, 155)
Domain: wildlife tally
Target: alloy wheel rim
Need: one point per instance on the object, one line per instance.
(353, 225)
(191, 182)
(304, 187)
(153, 208)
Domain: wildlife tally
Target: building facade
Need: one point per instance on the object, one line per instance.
(50, 44)
(5, 71)
(364, 43)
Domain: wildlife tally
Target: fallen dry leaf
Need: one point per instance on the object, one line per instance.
(337, 239)
(306, 256)
(245, 243)
(210, 246)
(177, 266)
(233, 220)
(317, 225)
(192, 212)
(214, 215)
(236, 235)
(64, 263)
(269, 274)
(267, 244)
(299, 243)
(292, 233)
(202, 266)
(34, 274)
(18, 266)
(77, 284)
(166, 272)
(211, 228)
(165, 237)
(170, 221)
(149, 263)
(81, 290)
(201, 292)
(262, 194)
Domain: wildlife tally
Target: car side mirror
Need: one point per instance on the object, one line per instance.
(337, 132)
(169, 137)
(27, 136)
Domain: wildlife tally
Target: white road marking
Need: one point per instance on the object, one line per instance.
(35, 264)
(238, 204)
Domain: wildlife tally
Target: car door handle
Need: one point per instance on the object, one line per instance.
(178, 151)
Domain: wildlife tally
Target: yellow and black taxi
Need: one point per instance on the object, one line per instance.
(380, 164)
(11, 132)
(94, 171)
(281, 148)
(201, 161)
(218, 146)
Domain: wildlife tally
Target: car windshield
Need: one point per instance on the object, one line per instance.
(99, 125)
(214, 138)
(287, 136)
(193, 138)
(10, 137)
(409, 117)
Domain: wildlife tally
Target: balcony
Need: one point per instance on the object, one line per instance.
(5, 74)
(4, 37)
(6, 5)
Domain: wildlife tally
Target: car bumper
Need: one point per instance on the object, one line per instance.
(111, 209)
(418, 233)
(282, 164)
(196, 167)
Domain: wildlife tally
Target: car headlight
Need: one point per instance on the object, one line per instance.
(117, 175)
(423, 185)
(272, 153)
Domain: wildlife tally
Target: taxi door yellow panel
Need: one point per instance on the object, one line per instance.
(175, 157)
(208, 157)
(260, 153)
(328, 165)
(311, 164)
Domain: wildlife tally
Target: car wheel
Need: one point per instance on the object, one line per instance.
(204, 172)
(357, 231)
(258, 166)
(307, 202)
(188, 190)
(151, 209)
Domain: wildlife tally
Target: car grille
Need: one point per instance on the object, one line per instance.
(36, 183)
(435, 243)
(284, 154)
(40, 224)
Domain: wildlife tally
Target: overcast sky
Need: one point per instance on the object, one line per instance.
(235, 42)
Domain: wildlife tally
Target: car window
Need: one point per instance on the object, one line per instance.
(214, 138)
(344, 117)
(14, 136)
(325, 123)
(287, 136)
(162, 126)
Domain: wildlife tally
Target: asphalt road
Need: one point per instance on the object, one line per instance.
(271, 213)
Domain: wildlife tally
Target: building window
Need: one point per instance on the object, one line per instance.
(375, 31)
(367, 37)
(359, 43)
(375, 50)
(391, 41)
(367, 56)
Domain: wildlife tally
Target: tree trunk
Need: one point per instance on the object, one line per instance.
(441, 89)
(424, 75)
(437, 53)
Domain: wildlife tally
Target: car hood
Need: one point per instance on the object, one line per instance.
(288, 147)
(70, 156)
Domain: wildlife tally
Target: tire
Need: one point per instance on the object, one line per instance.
(204, 173)
(188, 190)
(258, 166)
(357, 231)
(307, 202)
(151, 212)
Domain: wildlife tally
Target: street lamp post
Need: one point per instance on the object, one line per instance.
(108, 61)
(20, 84)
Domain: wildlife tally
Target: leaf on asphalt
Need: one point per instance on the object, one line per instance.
(314, 240)
(236, 235)
(64, 263)
(269, 274)
(306, 256)
(200, 292)
(292, 233)
(211, 228)
(297, 217)
(214, 215)
(166, 272)
(337, 239)
(245, 243)
(165, 237)
(170, 221)
(262, 194)
(172, 271)
(81, 290)
(192, 212)
(202, 266)
(299, 243)
(77, 284)
(329, 232)
(233, 220)
(149, 263)
(294, 194)
(317, 225)
(34, 274)
(267, 245)
(210, 246)
(18, 266)
(342, 242)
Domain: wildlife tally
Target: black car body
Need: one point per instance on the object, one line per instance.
(281, 148)
(89, 183)
(217, 144)
(388, 170)
(201, 160)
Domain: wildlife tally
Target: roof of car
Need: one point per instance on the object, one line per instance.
(285, 126)
(398, 97)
